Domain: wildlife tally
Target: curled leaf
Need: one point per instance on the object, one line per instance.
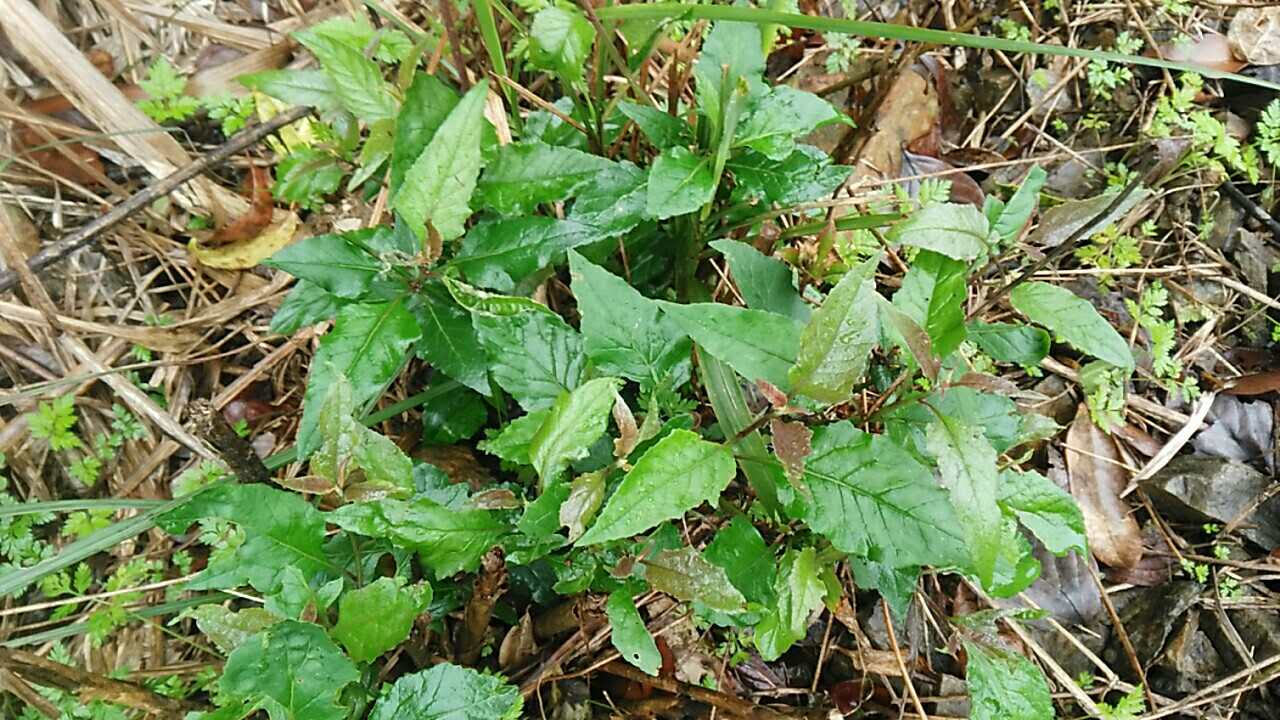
(1097, 479)
(245, 254)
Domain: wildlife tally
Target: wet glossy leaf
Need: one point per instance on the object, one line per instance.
(427, 103)
(357, 80)
(560, 40)
(739, 549)
(332, 262)
(533, 354)
(1007, 342)
(662, 129)
(351, 453)
(511, 443)
(679, 473)
(585, 495)
(781, 115)
(615, 201)
(296, 87)
(734, 45)
(805, 175)
(229, 629)
(629, 634)
(967, 463)
(500, 253)
(1013, 217)
(293, 669)
(836, 345)
(449, 341)
(933, 294)
(306, 304)
(1049, 512)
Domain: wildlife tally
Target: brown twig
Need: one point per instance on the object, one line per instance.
(491, 584)
(728, 703)
(209, 425)
(89, 686)
(158, 189)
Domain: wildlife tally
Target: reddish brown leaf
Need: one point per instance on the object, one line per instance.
(1210, 50)
(1097, 479)
(253, 222)
(1256, 384)
(776, 397)
(791, 443)
(1138, 439)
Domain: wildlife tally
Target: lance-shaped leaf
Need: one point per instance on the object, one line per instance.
(352, 453)
(500, 253)
(629, 635)
(438, 186)
(357, 80)
(1073, 319)
(836, 345)
(680, 472)
(758, 345)
(959, 231)
(585, 495)
(522, 176)
(765, 282)
(967, 463)
(449, 341)
(560, 40)
(933, 294)
(577, 419)
(1007, 342)
(679, 183)
(427, 103)
(800, 591)
(779, 116)
(872, 498)
(1048, 511)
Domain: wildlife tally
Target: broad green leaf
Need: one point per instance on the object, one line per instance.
(449, 692)
(614, 202)
(447, 540)
(427, 103)
(901, 329)
(533, 355)
(871, 498)
(449, 341)
(629, 635)
(377, 617)
(331, 261)
(577, 419)
(522, 176)
(742, 553)
(804, 175)
(758, 345)
(1074, 320)
(1048, 511)
(737, 46)
(293, 669)
(1016, 566)
(684, 574)
(355, 32)
(281, 531)
(933, 293)
(306, 304)
(500, 253)
(779, 116)
(453, 417)
(560, 41)
(511, 443)
(662, 129)
(1011, 343)
(229, 629)
(541, 518)
(800, 591)
(297, 594)
(967, 463)
(1016, 213)
(625, 333)
(296, 87)
(959, 231)
(837, 343)
(374, 154)
(680, 182)
(438, 186)
(765, 282)
(367, 345)
(679, 473)
(1003, 684)
(352, 453)
(357, 80)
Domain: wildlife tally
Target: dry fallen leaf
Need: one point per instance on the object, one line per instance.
(248, 253)
(251, 224)
(1256, 384)
(791, 443)
(1255, 35)
(1211, 50)
(1097, 479)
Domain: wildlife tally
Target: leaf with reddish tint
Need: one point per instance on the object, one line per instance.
(791, 443)
(1097, 479)
(685, 575)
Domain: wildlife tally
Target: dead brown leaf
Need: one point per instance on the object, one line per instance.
(1097, 479)
(791, 443)
(1255, 384)
(1211, 50)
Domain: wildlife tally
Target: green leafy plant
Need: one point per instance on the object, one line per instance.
(168, 93)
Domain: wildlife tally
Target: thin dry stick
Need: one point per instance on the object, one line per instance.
(902, 666)
(158, 189)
